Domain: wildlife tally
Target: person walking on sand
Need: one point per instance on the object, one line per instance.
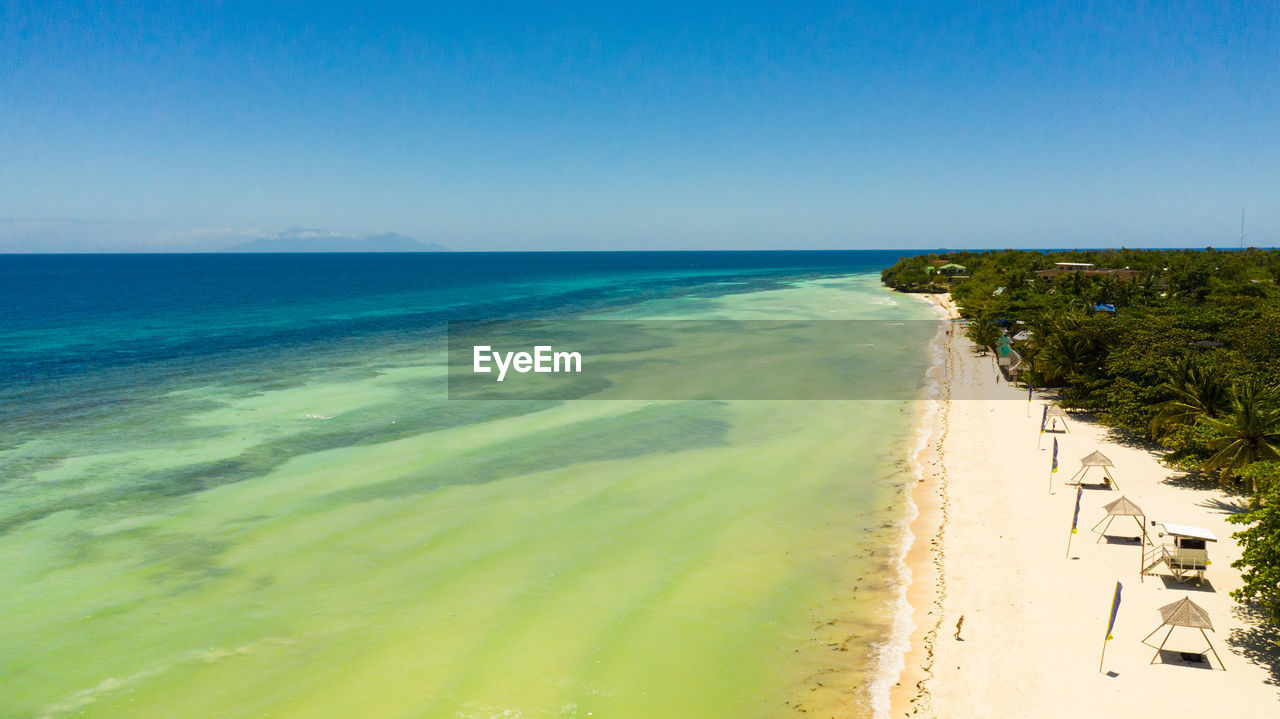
(958, 625)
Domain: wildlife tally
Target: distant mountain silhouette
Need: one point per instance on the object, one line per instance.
(318, 241)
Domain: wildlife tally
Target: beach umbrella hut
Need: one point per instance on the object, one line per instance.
(1184, 613)
(1090, 461)
(1057, 414)
(1122, 508)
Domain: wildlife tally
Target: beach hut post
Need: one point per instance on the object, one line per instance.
(1142, 552)
(1161, 647)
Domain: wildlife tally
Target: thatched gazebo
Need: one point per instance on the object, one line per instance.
(1184, 613)
(1095, 459)
(1056, 413)
(1122, 508)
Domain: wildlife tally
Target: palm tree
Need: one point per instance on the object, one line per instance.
(1105, 289)
(1074, 347)
(1147, 286)
(1076, 283)
(1196, 393)
(1250, 432)
(984, 334)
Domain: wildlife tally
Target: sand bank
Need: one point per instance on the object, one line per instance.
(991, 547)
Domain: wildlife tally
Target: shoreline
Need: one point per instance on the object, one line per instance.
(987, 525)
(922, 561)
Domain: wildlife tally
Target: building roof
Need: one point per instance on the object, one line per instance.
(1185, 530)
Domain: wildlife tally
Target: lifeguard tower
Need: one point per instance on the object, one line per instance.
(1186, 557)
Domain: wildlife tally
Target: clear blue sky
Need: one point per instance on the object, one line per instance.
(660, 126)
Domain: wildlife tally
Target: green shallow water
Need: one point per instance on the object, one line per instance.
(355, 545)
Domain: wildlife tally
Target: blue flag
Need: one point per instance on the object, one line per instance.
(1054, 469)
(1115, 607)
(1030, 387)
(1044, 417)
(1076, 517)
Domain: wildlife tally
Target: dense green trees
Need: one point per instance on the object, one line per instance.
(1259, 562)
(1196, 393)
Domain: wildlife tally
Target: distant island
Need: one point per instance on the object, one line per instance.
(316, 241)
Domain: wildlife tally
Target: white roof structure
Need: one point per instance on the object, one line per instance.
(1056, 411)
(1183, 530)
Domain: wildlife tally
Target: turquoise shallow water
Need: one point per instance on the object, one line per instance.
(306, 527)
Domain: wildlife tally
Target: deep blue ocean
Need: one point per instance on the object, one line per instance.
(74, 326)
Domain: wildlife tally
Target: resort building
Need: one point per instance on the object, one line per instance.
(952, 271)
(1062, 268)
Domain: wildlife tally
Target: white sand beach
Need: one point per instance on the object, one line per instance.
(991, 546)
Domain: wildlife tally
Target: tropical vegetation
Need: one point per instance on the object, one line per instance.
(1259, 562)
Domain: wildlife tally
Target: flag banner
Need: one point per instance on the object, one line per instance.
(1054, 469)
(1030, 387)
(1075, 518)
(1044, 417)
(1115, 607)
